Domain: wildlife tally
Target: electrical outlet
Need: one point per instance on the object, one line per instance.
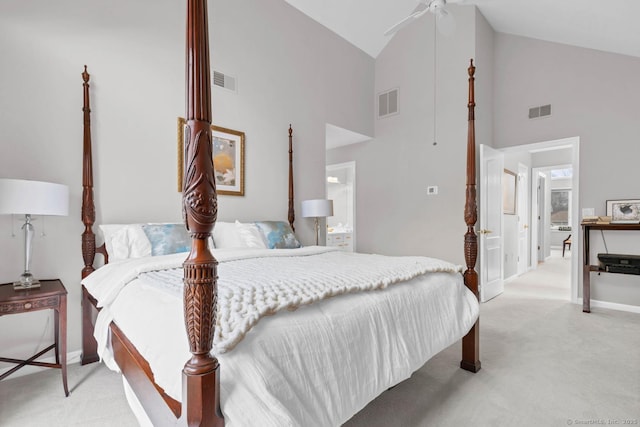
(432, 190)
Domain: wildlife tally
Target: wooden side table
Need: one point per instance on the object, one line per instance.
(50, 295)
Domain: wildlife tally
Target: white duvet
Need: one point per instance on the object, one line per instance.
(316, 366)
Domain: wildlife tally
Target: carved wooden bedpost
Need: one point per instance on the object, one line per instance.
(89, 344)
(292, 215)
(201, 381)
(471, 341)
(88, 208)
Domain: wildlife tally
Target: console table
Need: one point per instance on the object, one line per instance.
(587, 268)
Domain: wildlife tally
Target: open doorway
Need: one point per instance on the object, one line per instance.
(552, 213)
(555, 206)
(341, 188)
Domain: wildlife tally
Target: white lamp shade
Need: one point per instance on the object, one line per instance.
(21, 197)
(317, 208)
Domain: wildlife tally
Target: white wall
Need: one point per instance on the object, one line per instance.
(484, 83)
(394, 213)
(290, 69)
(594, 96)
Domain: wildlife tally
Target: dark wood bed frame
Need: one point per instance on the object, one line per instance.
(201, 374)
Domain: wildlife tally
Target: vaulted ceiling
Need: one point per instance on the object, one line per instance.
(608, 25)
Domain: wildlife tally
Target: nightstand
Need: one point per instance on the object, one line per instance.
(50, 295)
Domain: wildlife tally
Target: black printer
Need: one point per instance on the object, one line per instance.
(616, 263)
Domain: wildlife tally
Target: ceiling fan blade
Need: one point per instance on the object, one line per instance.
(399, 25)
(422, 8)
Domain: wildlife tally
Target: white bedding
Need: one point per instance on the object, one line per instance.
(318, 365)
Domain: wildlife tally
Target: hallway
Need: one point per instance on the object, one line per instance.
(551, 280)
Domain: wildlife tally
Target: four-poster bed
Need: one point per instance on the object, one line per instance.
(198, 401)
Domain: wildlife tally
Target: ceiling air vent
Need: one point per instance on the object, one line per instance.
(541, 111)
(224, 81)
(388, 103)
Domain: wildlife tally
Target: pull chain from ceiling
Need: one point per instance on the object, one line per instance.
(435, 79)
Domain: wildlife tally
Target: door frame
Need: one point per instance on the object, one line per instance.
(524, 220)
(576, 237)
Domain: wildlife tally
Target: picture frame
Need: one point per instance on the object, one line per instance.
(624, 210)
(509, 187)
(228, 159)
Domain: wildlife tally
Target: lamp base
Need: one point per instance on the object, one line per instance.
(17, 286)
(26, 282)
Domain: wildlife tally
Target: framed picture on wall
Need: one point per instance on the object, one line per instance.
(228, 159)
(509, 183)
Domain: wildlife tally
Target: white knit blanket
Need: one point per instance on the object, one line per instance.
(251, 287)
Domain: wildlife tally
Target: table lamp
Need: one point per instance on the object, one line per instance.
(22, 197)
(316, 209)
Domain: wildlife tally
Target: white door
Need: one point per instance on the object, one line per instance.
(523, 218)
(491, 245)
(541, 217)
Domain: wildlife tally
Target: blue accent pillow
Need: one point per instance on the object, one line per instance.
(278, 235)
(167, 239)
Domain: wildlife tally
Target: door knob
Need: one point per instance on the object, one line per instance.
(485, 231)
(526, 226)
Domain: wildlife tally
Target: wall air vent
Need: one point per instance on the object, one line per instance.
(224, 81)
(541, 111)
(388, 103)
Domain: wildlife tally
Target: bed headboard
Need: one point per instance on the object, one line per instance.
(89, 249)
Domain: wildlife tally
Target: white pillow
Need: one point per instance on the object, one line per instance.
(108, 231)
(125, 241)
(251, 235)
(129, 241)
(226, 235)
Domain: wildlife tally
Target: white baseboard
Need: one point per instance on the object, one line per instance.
(612, 306)
(72, 357)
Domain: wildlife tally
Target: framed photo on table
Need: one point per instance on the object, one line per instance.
(228, 159)
(624, 210)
